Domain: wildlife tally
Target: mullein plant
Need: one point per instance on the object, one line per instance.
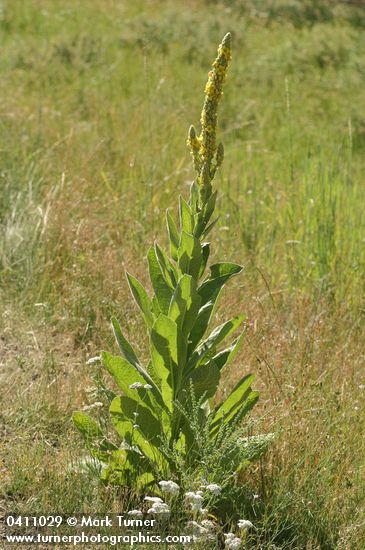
(153, 414)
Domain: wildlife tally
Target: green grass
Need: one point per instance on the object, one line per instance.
(96, 100)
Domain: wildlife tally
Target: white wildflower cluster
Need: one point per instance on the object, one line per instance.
(232, 542)
(159, 507)
(169, 487)
(195, 499)
(214, 489)
(208, 524)
(244, 524)
(153, 499)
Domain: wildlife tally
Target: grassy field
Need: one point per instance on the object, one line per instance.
(96, 100)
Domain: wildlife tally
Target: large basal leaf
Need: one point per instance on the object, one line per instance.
(219, 275)
(142, 299)
(125, 374)
(174, 237)
(133, 441)
(131, 357)
(87, 426)
(144, 480)
(185, 305)
(218, 335)
(190, 256)
(124, 408)
(141, 433)
(162, 290)
(119, 470)
(165, 356)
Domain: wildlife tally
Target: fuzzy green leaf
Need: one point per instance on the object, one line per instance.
(218, 335)
(165, 356)
(135, 443)
(186, 217)
(226, 356)
(87, 426)
(173, 235)
(125, 374)
(185, 304)
(131, 357)
(204, 379)
(162, 290)
(166, 266)
(124, 408)
(204, 317)
(209, 227)
(194, 197)
(219, 275)
(241, 396)
(190, 256)
(142, 299)
(124, 345)
(210, 206)
(205, 257)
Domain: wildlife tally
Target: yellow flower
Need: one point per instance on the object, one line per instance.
(204, 149)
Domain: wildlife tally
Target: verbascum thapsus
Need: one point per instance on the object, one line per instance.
(207, 156)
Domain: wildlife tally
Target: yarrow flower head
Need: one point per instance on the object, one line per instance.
(208, 524)
(206, 156)
(195, 500)
(214, 489)
(244, 524)
(159, 508)
(232, 542)
(169, 487)
(153, 499)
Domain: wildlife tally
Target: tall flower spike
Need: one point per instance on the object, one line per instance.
(203, 158)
